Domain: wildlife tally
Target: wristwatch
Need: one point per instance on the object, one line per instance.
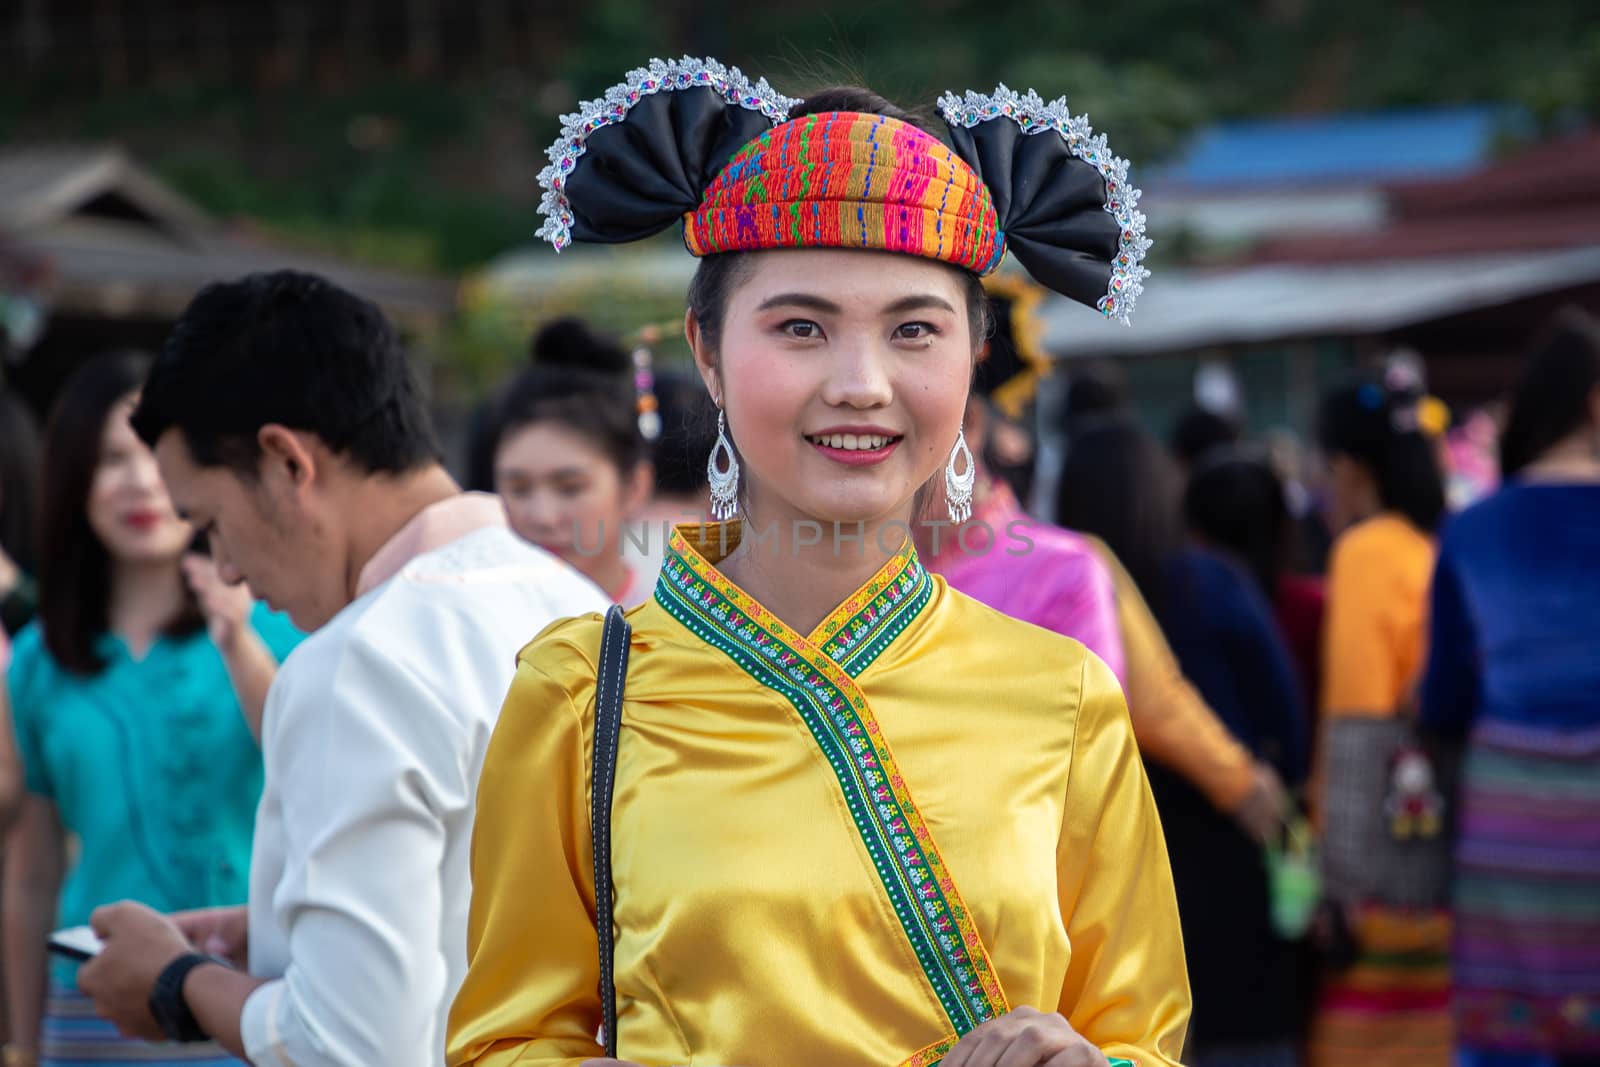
(167, 1005)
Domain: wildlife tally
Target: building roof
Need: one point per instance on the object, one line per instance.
(1183, 311)
(1545, 198)
(1321, 150)
(119, 242)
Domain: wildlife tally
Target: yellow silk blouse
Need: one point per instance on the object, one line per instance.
(847, 847)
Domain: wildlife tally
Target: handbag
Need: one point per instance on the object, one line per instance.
(1375, 846)
(610, 680)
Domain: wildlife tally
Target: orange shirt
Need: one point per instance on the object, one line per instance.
(1377, 617)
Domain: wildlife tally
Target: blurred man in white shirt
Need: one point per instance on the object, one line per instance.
(290, 429)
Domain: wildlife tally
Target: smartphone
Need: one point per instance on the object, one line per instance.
(76, 943)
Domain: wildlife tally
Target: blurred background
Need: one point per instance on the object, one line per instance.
(1327, 183)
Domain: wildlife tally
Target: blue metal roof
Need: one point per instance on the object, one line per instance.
(1435, 143)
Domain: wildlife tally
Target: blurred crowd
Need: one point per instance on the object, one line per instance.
(1362, 670)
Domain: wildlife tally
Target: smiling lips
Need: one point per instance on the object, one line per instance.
(855, 448)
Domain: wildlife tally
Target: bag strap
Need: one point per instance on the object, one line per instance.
(610, 681)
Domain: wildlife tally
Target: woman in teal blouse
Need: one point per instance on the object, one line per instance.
(134, 698)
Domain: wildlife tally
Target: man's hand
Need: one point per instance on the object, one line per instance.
(1262, 812)
(226, 607)
(1024, 1037)
(139, 943)
(220, 932)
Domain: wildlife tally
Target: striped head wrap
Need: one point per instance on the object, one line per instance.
(848, 180)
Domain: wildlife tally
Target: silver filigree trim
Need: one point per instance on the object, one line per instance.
(1034, 115)
(662, 75)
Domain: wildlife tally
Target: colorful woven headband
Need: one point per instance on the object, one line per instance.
(693, 140)
(847, 180)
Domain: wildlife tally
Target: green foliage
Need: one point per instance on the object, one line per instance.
(440, 173)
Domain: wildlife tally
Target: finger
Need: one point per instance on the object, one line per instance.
(981, 1045)
(961, 1054)
(1032, 1044)
(195, 568)
(105, 918)
(1084, 1055)
(89, 978)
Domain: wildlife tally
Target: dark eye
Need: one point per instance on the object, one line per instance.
(916, 331)
(801, 329)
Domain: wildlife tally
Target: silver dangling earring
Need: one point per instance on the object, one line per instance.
(724, 482)
(958, 487)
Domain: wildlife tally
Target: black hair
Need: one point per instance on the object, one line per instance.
(1235, 502)
(74, 566)
(1120, 485)
(19, 479)
(295, 350)
(1556, 392)
(579, 379)
(1094, 391)
(688, 433)
(1376, 425)
(717, 276)
(1198, 431)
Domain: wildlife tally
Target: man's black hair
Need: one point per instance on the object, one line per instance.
(290, 349)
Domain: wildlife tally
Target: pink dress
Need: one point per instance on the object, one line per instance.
(1033, 571)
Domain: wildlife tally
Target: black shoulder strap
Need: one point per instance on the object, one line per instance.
(610, 681)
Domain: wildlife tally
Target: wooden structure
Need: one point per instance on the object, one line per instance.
(119, 255)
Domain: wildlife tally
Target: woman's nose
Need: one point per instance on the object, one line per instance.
(859, 376)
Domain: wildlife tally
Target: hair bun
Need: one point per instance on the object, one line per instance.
(571, 342)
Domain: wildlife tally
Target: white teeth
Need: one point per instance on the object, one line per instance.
(849, 442)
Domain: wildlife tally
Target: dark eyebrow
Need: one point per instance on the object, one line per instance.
(553, 475)
(802, 300)
(917, 302)
(920, 302)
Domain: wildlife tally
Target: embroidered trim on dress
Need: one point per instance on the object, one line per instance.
(1030, 112)
(662, 75)
(858, 631)
(920, 888)
(935, 1053)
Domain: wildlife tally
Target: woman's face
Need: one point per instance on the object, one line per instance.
(128, 507)
(564, 494)
(844, 376)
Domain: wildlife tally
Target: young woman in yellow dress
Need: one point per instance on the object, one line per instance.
(859, 818)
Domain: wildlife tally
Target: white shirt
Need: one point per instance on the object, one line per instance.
(373, 737)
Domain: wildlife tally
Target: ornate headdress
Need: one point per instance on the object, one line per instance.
(693, 140)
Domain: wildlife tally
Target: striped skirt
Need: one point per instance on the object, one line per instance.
(1527, 946)
(1391, 1007)
(73, 1035)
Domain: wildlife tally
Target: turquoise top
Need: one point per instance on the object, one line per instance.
(150, 763)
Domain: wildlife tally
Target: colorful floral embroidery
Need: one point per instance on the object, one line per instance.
(858, 631)
(936, 1052)
(901, 847)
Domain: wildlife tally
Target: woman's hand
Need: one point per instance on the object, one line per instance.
(226, 607)
(1265, 807)
(1024, 1037)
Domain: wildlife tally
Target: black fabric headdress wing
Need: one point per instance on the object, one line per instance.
(649, 147)
(1064, 202)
